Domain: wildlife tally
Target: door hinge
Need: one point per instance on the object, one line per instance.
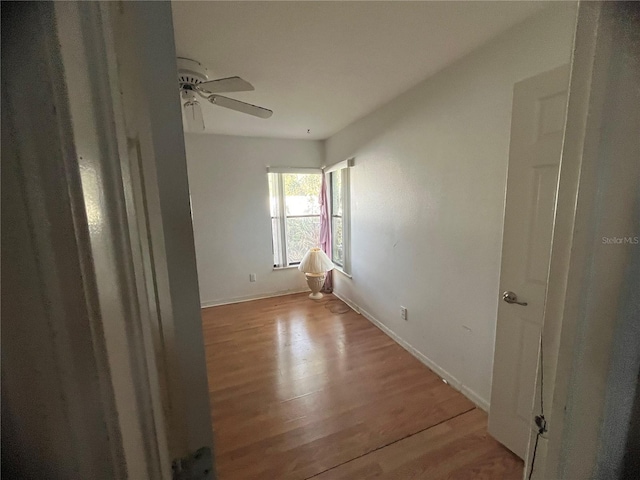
(541, 423)
(197, 466)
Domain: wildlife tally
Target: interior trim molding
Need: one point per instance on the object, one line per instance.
(294, 170)
(248, 298)
(430, 364)
(349, 162)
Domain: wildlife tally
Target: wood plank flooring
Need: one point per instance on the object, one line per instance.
(300, 392)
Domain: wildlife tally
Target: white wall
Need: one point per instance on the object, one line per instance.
(231, 219)
(428, 195)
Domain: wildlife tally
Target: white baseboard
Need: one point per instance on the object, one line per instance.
(248, 298)
(437, 369)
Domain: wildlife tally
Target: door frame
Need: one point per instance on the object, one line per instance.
(128, 64)
(95, 411)
(132, 386)
(589, 283)
(144, 55)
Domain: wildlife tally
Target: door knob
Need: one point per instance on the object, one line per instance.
(511, 297)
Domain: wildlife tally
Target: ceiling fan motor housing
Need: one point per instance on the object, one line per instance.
(191, 73)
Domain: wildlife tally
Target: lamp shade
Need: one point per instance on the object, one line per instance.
(315, 261)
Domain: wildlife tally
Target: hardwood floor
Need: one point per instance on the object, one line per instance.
(300, 392)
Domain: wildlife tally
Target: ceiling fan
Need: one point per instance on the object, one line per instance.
(194, 82)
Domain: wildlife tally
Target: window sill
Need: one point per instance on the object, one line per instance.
(339, 269)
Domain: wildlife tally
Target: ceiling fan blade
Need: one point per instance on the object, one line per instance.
(222, 85)
(239, 106)
(193, 117)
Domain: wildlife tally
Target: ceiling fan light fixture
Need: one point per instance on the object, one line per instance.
(193, 116)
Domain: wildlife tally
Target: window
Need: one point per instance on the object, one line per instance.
(340, 218)
(295, 214)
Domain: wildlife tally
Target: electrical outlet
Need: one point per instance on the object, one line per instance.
(252, 277)
(403, 313)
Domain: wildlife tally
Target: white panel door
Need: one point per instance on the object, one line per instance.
(537, 127)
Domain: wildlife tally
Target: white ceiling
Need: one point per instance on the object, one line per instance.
(322, 65)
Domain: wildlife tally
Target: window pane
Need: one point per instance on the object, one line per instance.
(337, 241)
(336, 193)
(302, 192)
(302, 234)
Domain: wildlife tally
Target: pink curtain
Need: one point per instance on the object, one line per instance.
(325, 231)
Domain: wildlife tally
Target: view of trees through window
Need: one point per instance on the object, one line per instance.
(295, 213)
(302, 208)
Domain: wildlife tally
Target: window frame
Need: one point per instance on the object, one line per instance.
(343, 169)
(282, 219)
